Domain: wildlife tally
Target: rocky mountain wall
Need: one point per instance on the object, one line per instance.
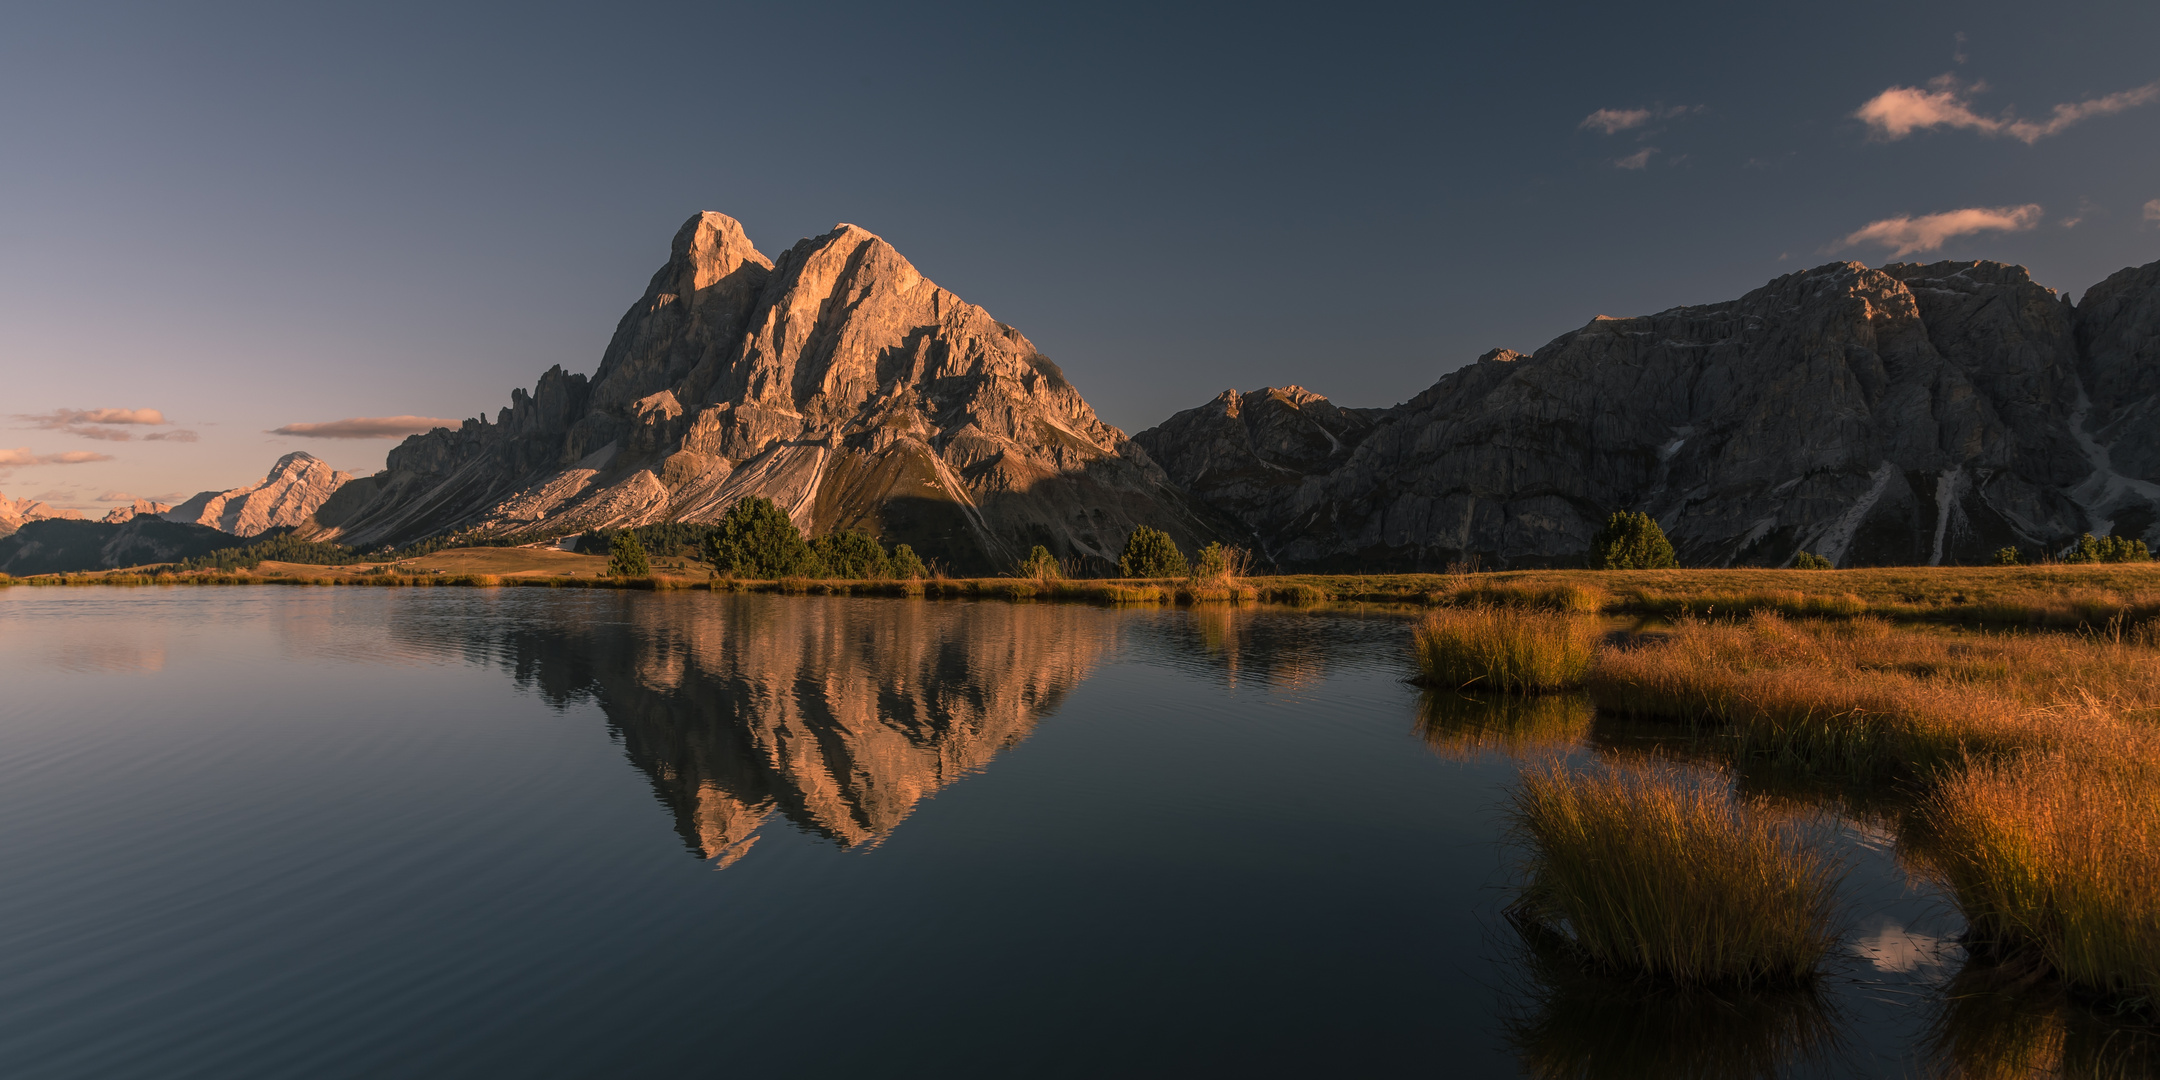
(1911, 414)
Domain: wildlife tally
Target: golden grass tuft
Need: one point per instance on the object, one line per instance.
(2057, 856)
(1647, 869)
(1504, 650)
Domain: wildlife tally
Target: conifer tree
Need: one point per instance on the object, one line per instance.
(1631, 541)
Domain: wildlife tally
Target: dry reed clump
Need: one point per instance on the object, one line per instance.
(1505, 650)
(2056, 856)
(1646, 869)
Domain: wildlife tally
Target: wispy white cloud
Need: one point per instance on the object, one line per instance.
(1640, 159)
(1945, 102)
(366, 427)
(175, 435)
(1906, 235)
(1611, 121)
(2152, 210)
(1957, 46)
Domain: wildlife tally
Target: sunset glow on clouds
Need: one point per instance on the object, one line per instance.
(366, 427)
(21, 456)
(1901, 110)
(1906, 235)
(104, 424)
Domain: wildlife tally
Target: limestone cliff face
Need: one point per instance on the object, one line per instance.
(835, 380)
(140, 507)
(297, 486)
(836, 718)
(15, 513)
(1911, 414)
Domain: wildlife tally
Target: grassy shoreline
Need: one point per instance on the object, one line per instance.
(2055, 596)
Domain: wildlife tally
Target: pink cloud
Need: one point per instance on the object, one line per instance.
(366, 427)
(17, 458)
(1906, 235)
(1901, 110)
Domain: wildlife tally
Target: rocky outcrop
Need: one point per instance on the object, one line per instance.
(15, 513)
(1249, 453)
(122, 514)
(297, 486)
(1911, 414)
(64, 546)
(835, 380)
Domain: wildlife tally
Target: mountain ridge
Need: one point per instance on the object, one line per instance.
(1916, 413)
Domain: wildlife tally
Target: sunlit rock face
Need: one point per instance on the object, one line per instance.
(835, 380)
(1913, 414)
(122, 514)
(298, 485)
(838, 717)
(15, 513)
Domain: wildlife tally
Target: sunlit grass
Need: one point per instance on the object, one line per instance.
(1646, 868)
(1865, 698)
(1504, 650)
(2058, 855)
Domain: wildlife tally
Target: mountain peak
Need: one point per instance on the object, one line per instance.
(835, 380)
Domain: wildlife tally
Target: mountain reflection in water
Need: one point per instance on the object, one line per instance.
(839, 716)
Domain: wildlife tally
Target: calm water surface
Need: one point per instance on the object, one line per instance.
(456, 832)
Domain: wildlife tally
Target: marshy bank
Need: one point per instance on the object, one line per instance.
(2018, 770)
(2058, 596)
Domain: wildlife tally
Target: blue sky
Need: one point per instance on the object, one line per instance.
(248, 217)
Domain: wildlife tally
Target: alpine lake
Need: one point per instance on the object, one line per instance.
(271, 832)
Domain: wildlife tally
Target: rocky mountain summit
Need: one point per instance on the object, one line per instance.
(835, 380)
(15, 513)
(120, 515)
(1915, 414)
(298, 485)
